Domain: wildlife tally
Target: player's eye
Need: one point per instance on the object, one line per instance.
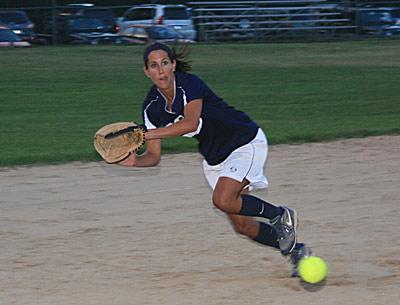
(153, 65)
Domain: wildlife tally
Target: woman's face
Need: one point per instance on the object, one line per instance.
(160, 69)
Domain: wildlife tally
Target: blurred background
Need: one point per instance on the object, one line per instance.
(44, 22)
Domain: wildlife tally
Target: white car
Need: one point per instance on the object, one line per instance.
(177, 16)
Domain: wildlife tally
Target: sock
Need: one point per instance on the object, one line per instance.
(267, 236)
(255, 207)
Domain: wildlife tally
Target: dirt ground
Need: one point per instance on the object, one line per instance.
(97, 234)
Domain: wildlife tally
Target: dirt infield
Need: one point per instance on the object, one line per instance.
(96, 234)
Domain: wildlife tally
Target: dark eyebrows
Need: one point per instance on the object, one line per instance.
(162, 60)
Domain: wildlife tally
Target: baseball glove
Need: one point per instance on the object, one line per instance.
(115, 142)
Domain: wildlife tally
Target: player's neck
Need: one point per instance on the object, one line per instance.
(169, 95)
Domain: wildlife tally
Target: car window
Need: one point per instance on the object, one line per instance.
(175, 13)
(105, 14)
(377, 17)
(8, 36)
(387, 17)
(140, 14)
(162, 33)
(13, 17)
(134, 31)
(85, 23)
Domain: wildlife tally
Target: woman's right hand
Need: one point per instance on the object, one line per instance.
(129, 161)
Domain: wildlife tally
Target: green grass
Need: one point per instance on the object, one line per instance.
(53, 99)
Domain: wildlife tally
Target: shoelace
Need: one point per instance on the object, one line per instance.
(282, 230)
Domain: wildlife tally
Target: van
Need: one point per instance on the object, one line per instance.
(177, 16)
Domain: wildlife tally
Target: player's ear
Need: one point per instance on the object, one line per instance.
(174, 65)
(145, 71)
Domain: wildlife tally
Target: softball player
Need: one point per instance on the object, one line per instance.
(234, 148)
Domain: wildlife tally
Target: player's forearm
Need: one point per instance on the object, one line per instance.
(180, 128)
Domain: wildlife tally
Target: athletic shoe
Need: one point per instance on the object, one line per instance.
(299, 252)
(285, 226)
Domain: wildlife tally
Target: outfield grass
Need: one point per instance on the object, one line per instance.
(53, 99)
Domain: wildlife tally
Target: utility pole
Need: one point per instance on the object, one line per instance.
(54, 21)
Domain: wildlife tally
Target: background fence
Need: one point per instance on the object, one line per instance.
(240, 20)
(266, 20)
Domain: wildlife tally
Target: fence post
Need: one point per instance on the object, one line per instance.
(54, 21)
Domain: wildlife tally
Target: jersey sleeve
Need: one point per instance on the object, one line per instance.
(195, 88)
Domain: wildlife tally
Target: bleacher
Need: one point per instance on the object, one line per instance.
(266, 20)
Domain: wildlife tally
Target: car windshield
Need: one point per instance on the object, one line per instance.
(8, 36)
(162, 33)
(175, 13)
(139, 14)
(9, 17)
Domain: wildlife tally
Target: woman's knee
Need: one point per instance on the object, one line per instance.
(223, 202)
(226, 195)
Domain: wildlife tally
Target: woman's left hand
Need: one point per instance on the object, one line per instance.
(129, 161)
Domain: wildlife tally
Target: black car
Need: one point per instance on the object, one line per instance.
(384, 21)
(69, 25)
(19, 23)
(106, 15)
(9, 39)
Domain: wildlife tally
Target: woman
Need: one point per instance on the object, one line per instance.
(235, 149)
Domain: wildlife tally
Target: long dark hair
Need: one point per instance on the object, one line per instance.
(183, 64)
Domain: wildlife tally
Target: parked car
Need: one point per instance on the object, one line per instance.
(106, 15)
(383, 21)
(68, 25)
(177, 16)
(9, 39)
(147, 33)
(19, 23)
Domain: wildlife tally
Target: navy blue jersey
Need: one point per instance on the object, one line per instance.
(221, 129)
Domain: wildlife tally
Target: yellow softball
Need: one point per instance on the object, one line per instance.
(313, 269)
